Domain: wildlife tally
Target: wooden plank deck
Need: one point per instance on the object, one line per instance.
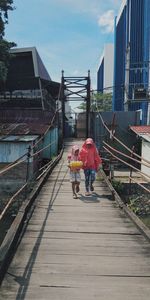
(78, 249)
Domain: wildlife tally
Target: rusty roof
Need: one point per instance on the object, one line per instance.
(25, 122)
(19, 138)
(140, 130)
(22, 128)
(8, 115)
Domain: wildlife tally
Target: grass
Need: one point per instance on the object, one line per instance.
(99, 178)
(146, 220)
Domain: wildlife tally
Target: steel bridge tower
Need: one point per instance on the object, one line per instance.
(76, 89)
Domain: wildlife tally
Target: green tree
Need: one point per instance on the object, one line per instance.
(99, 101)
(5, 46)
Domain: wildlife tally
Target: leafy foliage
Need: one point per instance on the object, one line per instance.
(118, 186)
(5, 46)
(4, 58)
(99, 102)
(5, 5)
(102, 102)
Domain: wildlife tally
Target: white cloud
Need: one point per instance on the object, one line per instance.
(83, 6)
(106, 21)
(94, 7)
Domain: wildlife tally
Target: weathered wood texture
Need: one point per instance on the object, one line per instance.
(78, 249)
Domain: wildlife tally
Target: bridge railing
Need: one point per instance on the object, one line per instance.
(24, 211)
(11, 202)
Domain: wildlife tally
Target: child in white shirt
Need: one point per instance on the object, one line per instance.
(75, 176)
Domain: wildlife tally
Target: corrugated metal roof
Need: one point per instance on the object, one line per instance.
(145, 137)
(141, 130)
(9, 115)
(19, 138)
(22, 128)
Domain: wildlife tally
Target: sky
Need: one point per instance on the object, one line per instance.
(69, 35)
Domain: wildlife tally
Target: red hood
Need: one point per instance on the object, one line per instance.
(89, 141)
(89, 156)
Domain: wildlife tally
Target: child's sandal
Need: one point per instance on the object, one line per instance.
(75, 196)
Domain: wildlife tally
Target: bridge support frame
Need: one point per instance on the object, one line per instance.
(76, 89)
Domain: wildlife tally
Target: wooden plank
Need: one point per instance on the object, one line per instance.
(85, 248)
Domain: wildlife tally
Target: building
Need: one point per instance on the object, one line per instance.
(131, 57)
(28, 114)
(143, 134)
(105, 70)
(28, 83)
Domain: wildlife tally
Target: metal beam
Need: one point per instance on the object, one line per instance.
(88, 104)
(76, 86)
(63, 104)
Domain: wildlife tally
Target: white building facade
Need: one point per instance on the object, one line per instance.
(106, 70)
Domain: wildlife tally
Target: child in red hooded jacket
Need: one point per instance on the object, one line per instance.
(91, 161)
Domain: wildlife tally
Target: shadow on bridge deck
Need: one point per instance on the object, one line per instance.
(83, 248)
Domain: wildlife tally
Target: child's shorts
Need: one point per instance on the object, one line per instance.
(75, 176)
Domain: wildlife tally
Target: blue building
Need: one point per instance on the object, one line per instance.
(131, 59)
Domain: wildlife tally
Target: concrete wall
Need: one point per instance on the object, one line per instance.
(10, 151)
(146, 155)
(50, 138)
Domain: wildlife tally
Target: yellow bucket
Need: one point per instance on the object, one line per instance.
(76, 164)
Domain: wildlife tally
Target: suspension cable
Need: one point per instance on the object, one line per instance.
(133, 153)
(142, 173)
(121, 153)
(11, 200)
(147, 161)
(141, 185)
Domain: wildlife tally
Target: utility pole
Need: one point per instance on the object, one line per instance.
(42, 99)
(63, 105)
(88, 104)
(127, 63)
(127, 72)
